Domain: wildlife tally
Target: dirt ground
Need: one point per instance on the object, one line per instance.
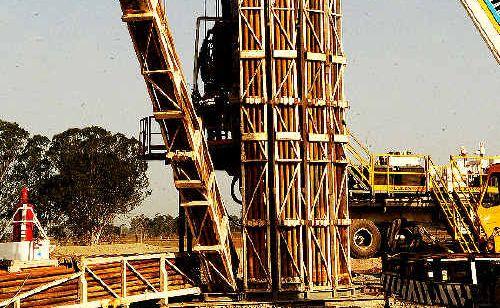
(364, 267)
(367, 266)
(109, 249)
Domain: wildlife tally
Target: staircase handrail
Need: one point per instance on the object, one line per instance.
(440, 190)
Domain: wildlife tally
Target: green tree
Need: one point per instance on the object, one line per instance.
(139, 225)
(99, 176)
(13, 139)
(162, 226)
(23, 162)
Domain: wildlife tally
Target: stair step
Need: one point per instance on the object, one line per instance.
(138, 17)
(181, 155)
(195, 203)
(189, 184)
(168, 115)
(208, 248)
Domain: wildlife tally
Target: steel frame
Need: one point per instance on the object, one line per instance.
(298, 125)
(186, 147)
(316, 143)
(287, 144)
(337, 107)
(254, 123)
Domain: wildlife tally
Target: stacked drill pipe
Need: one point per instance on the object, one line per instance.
(316, 144)
(187, 150)
(254, 122)
(292, 114)
(97, 279)
(337, 107)
(13, 284)
(288, 211)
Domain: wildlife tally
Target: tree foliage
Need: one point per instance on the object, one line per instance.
(99, 176)
(79, 181)
(160, 226)
(24, 162)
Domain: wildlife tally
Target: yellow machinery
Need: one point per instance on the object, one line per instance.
(488, 210)
(485, 15)
(404, 185)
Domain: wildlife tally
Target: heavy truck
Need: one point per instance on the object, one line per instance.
(406, 185)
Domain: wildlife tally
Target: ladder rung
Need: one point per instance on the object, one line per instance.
(167, 115)
(181, 155)
(195, 203)
(208, 248)
(194, 184)
(342, 162)
(156, 72)
(137, 17)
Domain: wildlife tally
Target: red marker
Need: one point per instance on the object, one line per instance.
(23, 219)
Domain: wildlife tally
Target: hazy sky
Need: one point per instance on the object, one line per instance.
(419, 75)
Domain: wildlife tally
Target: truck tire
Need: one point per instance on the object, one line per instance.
(365, 239)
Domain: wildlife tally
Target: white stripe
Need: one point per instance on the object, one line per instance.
(405, 288)
(461, 299)
(468, 292)
(435, 290)
(449, 288)
(428, 300)
(412, 291)
(420, 293)
(443, 294)
(388, 284)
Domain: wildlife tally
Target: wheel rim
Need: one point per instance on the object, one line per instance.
(363, 238)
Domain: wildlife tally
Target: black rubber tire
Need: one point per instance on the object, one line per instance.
(365, 239)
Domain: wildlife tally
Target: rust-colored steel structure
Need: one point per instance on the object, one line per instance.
(289, 67)
(255, 159)
(294, 180)
(187, 150)
(288, 214)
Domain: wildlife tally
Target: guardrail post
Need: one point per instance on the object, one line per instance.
(124, 279)
(82, 283)
(163, 279)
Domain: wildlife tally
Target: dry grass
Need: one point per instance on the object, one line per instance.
(110, 249)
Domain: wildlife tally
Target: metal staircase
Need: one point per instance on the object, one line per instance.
(463, 231)
(465, 198)
(186, 147)
(359, 158)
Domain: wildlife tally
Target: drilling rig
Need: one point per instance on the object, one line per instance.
(272, 114)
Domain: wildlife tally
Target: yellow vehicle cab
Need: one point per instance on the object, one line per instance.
(489, 208)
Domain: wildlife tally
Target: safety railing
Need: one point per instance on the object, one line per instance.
(460, 228)
(360, 161)
(471, 171)
(392, 178)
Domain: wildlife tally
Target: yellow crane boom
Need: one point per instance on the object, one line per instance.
(486, 17)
